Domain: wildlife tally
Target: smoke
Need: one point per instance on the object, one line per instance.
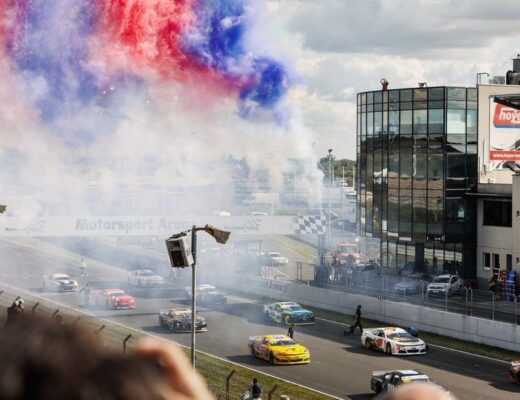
(100, 94)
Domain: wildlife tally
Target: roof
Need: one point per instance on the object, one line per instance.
(391, 329)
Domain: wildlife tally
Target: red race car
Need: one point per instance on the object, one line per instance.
(113, 299)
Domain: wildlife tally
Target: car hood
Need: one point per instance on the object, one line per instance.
(124, 299)
(408, 341)
(438, 285)
(289, 350)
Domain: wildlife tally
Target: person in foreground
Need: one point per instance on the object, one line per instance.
(42, 360)
(418, 391)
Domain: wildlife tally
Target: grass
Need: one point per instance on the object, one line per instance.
(428, 337)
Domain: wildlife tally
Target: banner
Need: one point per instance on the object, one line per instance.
(159, 226)
(504, 134)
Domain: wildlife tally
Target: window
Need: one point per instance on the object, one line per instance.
(509, 262)
(420, 121)
(498, 213)
(496, 262)
(456, 121)
(436, 121)
(406, 122)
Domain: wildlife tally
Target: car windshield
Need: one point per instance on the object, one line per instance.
(292, 307)
(347, 249)
(274, 254)
(146, 273)
(283, 342)
(400, 335)
(117, 294)
(60, 277)
(440, 279)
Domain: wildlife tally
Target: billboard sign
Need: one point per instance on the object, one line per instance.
(504, 134)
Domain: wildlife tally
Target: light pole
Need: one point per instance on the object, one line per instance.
(479, 77)
(330, 186)
(179, 258)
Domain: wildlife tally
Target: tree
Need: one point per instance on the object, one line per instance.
(339, 166)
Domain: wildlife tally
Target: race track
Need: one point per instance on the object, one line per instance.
(339, 366)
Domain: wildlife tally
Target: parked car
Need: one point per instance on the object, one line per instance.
(145, 278)
(412, 284)
(446, 284)
(59, 283)
(275, 259)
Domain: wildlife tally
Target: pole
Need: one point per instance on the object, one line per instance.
(193, 294)
(330, 186)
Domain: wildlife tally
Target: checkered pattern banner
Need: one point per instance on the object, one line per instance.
(310, 225)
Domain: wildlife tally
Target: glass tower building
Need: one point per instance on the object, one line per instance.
(417, 157)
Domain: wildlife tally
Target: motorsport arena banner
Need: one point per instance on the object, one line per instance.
(504, 134)
(159, 226)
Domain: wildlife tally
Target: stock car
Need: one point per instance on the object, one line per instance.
(387, 381)
(113, 299)
(145, 278)
(278, 349)
(59, 283)
(207, 295)
(514, 372)
(393, 341)
(288, 313)
(179, 320)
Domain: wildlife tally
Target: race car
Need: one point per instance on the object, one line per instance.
(387, 381)
(114, 299)
(207, 295)
(59, 283)
(179, 320)
(288, 313)
(393, 341)
(145, 278)
(278, 349)
(514, 372)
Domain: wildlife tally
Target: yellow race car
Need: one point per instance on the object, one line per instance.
(278, 349)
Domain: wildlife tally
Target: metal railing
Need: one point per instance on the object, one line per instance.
(222, 378)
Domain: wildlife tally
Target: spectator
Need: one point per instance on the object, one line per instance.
(83, 267)
(357, 322)
(14, 312)
(290, 331)
(86, 295)
(417, 391)
(492, 283)
(256, 389)
(60, 364)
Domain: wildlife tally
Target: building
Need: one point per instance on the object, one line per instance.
(417, 159)
(498, 194)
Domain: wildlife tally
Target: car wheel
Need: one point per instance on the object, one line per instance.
(388, 349)
(271, 358)
(367, 344)
(266, 316)
(253, 352)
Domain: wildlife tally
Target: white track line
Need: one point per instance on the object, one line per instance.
(166, 340)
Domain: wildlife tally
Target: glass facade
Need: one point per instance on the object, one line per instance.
(417, 157)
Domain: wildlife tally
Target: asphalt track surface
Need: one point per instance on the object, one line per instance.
(339, 365)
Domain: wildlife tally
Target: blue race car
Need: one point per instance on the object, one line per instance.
(288, 313)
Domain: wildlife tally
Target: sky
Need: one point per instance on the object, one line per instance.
(342, 47)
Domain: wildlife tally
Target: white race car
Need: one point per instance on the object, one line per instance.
(145, 278)
(393, 341)
(59, 283)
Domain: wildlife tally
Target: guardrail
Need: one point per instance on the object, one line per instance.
(226, 380)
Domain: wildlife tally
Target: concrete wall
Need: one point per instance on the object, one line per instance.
(463, 327)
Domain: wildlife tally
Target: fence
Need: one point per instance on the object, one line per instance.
(465, 301)
(227, 381)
